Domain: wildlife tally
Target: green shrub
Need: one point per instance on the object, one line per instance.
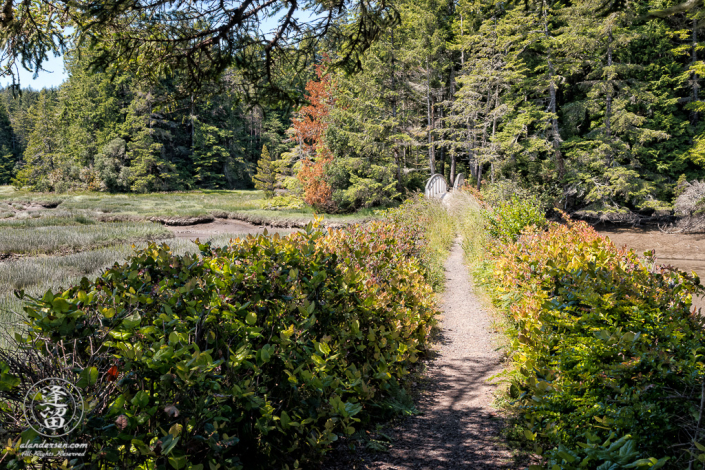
(255, 355)
(287, 201)
(603, 346)
(508, 218)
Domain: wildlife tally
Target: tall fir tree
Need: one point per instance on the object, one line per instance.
(7, 139)
(265, 178)
(211, 157)
(42, 159)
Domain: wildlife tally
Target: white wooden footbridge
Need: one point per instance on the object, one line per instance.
(437, 188)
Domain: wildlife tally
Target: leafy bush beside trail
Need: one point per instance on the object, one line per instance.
(607, 353)
(255, 355)
(508, 219)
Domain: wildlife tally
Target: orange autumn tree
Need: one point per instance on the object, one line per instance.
(308, 129)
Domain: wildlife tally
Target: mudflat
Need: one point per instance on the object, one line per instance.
(223, 227)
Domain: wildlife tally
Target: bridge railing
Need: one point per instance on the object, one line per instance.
(436, 186)
(459, 181)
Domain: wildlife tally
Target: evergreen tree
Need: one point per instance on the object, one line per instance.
(17, 106)
(41, 168)
(148, 169)
(110, 165)
(7, 138)
(210, 156)
(265, 178)
(599, 113)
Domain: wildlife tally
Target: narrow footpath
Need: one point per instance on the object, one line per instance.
(458, 427)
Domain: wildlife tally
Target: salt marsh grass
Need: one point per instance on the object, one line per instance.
(181, 204)
(48, 218)
(49, 239)
(38, 274)
(221, 203)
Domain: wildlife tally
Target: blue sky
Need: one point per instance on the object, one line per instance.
(53, 77)
(55, 73)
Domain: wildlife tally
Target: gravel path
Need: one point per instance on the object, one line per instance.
(458, 428)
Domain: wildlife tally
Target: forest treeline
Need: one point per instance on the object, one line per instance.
(597, 112)
(102, 132)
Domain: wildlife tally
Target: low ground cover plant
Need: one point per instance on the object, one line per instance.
(606, 348)
(259, 354)
(177, 203)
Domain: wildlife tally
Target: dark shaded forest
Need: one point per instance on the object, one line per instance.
(598, 111)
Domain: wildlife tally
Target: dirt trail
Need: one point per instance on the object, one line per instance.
(458, 427)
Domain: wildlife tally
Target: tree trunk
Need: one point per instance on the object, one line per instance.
(193, 125)
(694, 115)
(397, 161)
(394, 96)
(494, 130)
(483, 145)
(608, 107)
(472, 161)
(431, 155)
(462, 50)
(555, 133)
(451, 82)
(479, 176)
(441, 149)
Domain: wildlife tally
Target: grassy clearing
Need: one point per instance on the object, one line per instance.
(297, 216)
(51, 239)
(55, 271)
(441, 232)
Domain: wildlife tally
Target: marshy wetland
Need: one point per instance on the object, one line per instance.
(50, 241)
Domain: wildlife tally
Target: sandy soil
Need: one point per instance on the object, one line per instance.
(221, 227)
(684, 251)
(458, 427)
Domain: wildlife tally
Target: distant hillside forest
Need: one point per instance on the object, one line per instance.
(597, 112)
